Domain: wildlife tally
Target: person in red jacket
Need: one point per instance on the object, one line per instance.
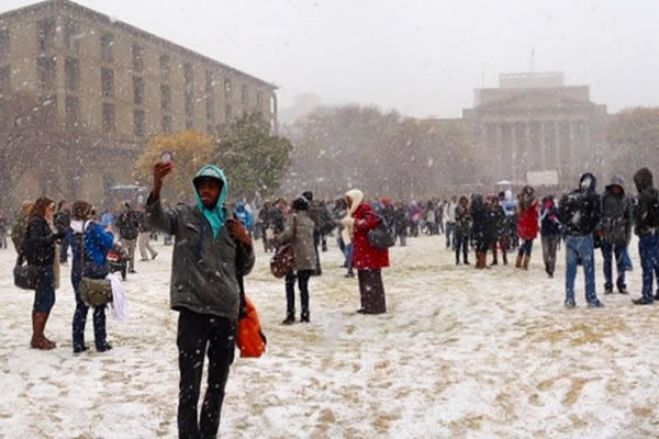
(527, 226)
(366, 259)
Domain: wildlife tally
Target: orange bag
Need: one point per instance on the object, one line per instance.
(250, 340)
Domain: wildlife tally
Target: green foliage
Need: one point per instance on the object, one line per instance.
(253, 159)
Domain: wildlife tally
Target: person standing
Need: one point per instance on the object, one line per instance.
(462, 228)
(367, 259)
(401, 223)
(39, 250)
(128, 225)
(299, 232)
(550, 233)
(212, 250)
(527, 226)
(499, 234)
(615, 232)
(646, 222)
(451, 221)
(144, 238)
(480, 229)
(62, 222)
(580, 212)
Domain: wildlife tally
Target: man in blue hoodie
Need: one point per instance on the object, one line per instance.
(211, 251)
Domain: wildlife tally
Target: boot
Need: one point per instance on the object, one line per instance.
(38, 324)
(525, 264)
(518, 262)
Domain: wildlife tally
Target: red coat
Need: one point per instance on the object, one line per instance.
(363, 255)
(527, 224)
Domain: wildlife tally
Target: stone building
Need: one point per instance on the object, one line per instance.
(118, 84)
(534, 122)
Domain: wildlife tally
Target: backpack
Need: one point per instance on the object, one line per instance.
(379, 237)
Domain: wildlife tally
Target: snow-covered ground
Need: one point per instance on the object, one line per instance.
(461, 353)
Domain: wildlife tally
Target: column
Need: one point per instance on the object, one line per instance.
(543, 150)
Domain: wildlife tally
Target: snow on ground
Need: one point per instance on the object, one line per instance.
(460, 353)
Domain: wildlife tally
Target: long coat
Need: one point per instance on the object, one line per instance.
(527, 225)
(364, 256)
(303, 244)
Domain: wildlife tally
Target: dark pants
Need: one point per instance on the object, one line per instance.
(526, 247)
(549, 246)
(461, 244)
(647, 250)
(371, 291)
(196, 334)
(80, 320)
(302, 277)
(608, 252)
(44, 293)
(64, 250)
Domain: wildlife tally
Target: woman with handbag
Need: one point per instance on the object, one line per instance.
(299, 232)
(39, 250)
(90, 243)
(367, 259)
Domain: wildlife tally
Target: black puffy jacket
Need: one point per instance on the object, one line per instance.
(39, 244)
(647, 198)
(580, 210)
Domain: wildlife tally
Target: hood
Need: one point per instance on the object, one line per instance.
(593, 182)
(617, 180)
(215, 216)
(357, 197)
(643, 179)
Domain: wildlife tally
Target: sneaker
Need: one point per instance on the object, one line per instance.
(595, 304)
(288, 321)
(570, 304)
(642, 301)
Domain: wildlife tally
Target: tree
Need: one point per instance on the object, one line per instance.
(191, 151)
(253, 159)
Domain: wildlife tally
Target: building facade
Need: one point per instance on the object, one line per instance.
(533, 122)
(119, 83)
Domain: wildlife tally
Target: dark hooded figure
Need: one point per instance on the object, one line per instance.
(579, 212)
(550, 233)
(646, 222)
(615, 232)
(212, 253)
(481, 229)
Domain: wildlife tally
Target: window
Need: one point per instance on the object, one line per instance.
(138, 123)
(47, 72)
(5, 78)
(107, 44)
(227, 88)
(46, 34)
(228, 113)
(72, 36)
(107, 82)
(4, 44)
(72, 109)
(165, 98)
(138, 58)
(72, 73)
(244, 94)
(109, 123)
(166, 124)
(138, 90)
(165, 68)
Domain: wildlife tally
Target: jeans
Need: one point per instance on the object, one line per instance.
(44, 294)
(647, 250)
(526, 247)
(461, 244)
(608, 250)
(80, 318)
(302, 277)
(580, 250)
(549, 245)
(198, 333)
(450, 235)
(348, 257)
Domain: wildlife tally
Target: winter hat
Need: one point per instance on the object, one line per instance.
(643, 179)
(357, 197)
(300, 204)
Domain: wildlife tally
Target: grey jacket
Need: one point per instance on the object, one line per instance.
(303, 245)
(204, 269)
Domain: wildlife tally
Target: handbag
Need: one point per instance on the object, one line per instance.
(94, 292)
(250, 338)
(25, 275)
(283, 261)
(379, 237)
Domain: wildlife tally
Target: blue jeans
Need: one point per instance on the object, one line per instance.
(450, 235)
(608, 251)
(80, 318)
(647, 250)
(348, 257)
(580, 250)
(44, 294)
(526, 247)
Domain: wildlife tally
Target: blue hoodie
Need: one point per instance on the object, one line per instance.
(214, 216)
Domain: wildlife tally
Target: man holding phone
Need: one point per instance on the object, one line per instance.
(211, 251)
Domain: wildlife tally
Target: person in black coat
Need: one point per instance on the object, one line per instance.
(462, 227)
(39, 250)
(645, 226)
(481, 228)
(499, 232)
(550, 233)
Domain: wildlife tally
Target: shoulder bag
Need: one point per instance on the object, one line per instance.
(94, 292)
(283, 261)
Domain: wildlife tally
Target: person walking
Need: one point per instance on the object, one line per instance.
(646, 223)
(299, 232)
(480, 229)
(580, 212)
(144, 238)
(615, 232)
(527, 226)
(550, 233)
(368, 260)
(90, 243)
(211, 252)
(39, 250)
(462, 228)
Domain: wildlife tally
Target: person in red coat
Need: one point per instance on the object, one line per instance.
(527, 225)
(366, 259)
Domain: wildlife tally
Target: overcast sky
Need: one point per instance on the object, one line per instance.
(421, 57)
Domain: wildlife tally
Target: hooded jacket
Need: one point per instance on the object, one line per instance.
(616, 223)
(647, 197)
(529, 213)
(364, 256)
(580, 210)
(205, 267)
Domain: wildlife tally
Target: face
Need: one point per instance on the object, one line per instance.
(209, 192)
(616, 190)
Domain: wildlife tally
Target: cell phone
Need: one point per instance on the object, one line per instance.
(166, 157)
